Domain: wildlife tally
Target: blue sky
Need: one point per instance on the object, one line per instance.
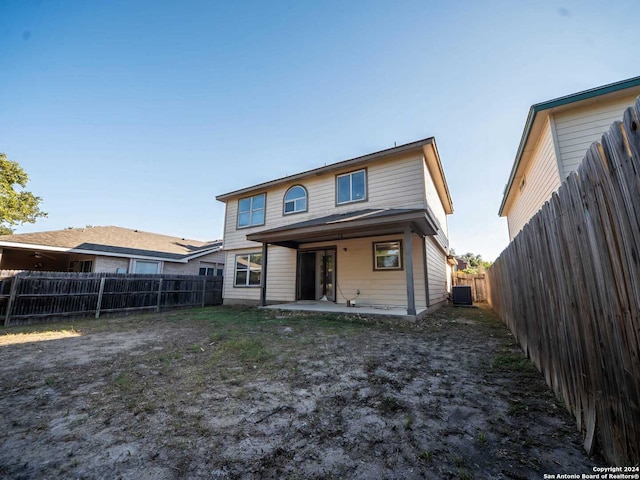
(138, 113)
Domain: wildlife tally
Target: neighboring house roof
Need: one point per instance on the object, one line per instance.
(535, 119)
(113, 241)
(427, 146)
(341, 226)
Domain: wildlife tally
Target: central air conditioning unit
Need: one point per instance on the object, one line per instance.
(462, 295)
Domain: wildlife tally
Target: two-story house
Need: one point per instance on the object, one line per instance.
(556, 137)
(370, 230)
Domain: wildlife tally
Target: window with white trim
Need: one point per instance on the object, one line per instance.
(387, 255)
(251, 211)
(248, 270)
(146, 266)
(351, 187)
(211, 269)
(295, 200)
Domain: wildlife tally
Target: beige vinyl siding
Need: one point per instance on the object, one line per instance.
(229, 291)
(393, 183)
(354, 268)
(281, 274)
(541, 180)
(436, 207)
(355, 272)
(577, 129)
(419, 258)
(436, 271)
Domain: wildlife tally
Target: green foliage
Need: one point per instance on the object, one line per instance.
(475, 261)
(16, 205)
(470, 270)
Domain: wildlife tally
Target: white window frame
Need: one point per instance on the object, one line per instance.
(296, 201)
(214, 267)
(351, 199)
(134, 263)
(249, 269)
(376, 255)
(252, 210)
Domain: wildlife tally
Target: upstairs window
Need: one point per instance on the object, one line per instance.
(351, 187)
(251, 211)
(295, 200)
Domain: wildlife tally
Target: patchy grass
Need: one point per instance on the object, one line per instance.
(513, 361)
(251, 393)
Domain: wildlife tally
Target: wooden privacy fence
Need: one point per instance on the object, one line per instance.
(29, 296)
(568, 287)
(477, 282)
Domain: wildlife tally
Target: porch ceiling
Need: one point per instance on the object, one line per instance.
(359, 224)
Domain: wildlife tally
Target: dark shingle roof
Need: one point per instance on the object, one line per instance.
(114, 240)
(344, 217)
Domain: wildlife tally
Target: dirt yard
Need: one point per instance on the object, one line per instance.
(226, 393)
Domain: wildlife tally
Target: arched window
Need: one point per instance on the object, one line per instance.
(295, 200)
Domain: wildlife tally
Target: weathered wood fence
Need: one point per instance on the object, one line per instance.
(26, 297)
(568, 287)
(477, 282)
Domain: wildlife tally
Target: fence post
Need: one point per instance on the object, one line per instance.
(100, 292)
(204, 288)
(159, 294)
(12, 296)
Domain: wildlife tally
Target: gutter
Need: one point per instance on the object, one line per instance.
(80, 251)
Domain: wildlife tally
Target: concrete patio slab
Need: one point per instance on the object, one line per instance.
(331, 307)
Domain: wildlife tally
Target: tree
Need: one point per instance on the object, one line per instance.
(17, 206)
(475, 261)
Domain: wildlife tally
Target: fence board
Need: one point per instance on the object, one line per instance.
(568, 287)
(476, 281)
(38, 295)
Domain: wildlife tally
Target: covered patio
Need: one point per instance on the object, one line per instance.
(353, 225)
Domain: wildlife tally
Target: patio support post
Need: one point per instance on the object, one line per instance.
(408, 269)
(263, 277)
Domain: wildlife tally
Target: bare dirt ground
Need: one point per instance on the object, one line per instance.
(226, 393)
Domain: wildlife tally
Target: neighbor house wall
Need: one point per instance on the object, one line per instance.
(578, 128)
(110, 264)
(541, 179)
(193, 267)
